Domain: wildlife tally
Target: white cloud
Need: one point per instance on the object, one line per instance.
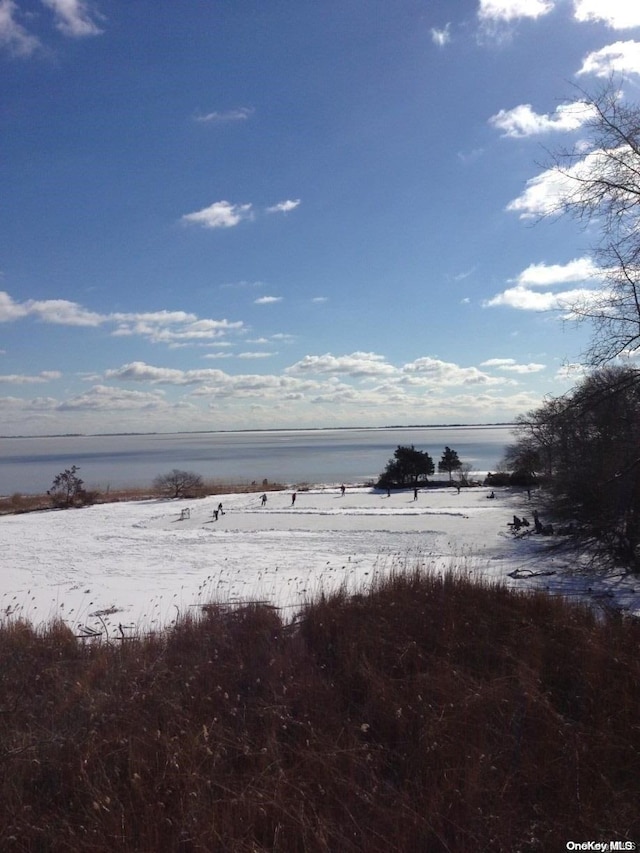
(545, 275)
(139, 371)
(160, 318)
(62, 313)
(357, 365)
(330, 389)
(220, 214)
(617, 14)
(21, 406)
(255, 355)
(511, 365)
(441, 37)
(172, 327)
(623, 57)
(13, 36)
(73, 17)
(284, 206)
(22, 379)
(106, 398)
(9, 309)
(511, 10)
(630, 354)
(267, 300)
(574, 372)
(544, 193)
(522, 121)
(226, 117)
(430, 371)
(525, 299)
(169, 327)
(320, 299)
(223, 214)
(58, 311)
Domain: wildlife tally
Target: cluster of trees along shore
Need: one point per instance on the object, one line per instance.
(582, 449)
(411, 467)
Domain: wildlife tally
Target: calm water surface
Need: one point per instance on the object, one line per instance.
(28, 465)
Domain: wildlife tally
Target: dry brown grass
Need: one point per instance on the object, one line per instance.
(428, 714)
(19, 503)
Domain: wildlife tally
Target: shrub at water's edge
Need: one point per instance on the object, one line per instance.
(426, 714)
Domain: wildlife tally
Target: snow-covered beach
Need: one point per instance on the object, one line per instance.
(123, 567)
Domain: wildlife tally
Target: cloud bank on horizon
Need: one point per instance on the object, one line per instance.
(349, 201)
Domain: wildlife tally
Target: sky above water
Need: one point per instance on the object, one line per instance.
(234, 215)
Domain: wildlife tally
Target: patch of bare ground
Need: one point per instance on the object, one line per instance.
(429, 714)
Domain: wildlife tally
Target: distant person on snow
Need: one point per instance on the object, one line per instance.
(293, 498)
(536, 522)
(415, 494)
(220, 510)
(263, 500)
(343, 489)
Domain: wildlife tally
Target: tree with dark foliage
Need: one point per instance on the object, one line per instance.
(588, 447)
(409, 467)
(450, 462)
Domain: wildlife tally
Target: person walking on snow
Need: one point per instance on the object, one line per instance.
(293, 498)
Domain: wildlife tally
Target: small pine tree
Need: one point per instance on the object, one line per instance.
(67, 488)
(450, 462)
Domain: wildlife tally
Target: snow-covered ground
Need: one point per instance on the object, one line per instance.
(140, 565)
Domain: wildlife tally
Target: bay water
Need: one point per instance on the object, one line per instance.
(29, 464)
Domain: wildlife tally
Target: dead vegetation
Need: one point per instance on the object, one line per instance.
(20, 503)
(429, 714)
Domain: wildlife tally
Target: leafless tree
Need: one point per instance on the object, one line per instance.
(600, 186)
(178, 484)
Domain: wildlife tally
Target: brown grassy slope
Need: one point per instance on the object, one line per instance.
(428, 715)
(19, 503)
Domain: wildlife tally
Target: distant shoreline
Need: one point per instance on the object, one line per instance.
(263, 430)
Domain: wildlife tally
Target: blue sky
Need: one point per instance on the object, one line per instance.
(237, 215)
